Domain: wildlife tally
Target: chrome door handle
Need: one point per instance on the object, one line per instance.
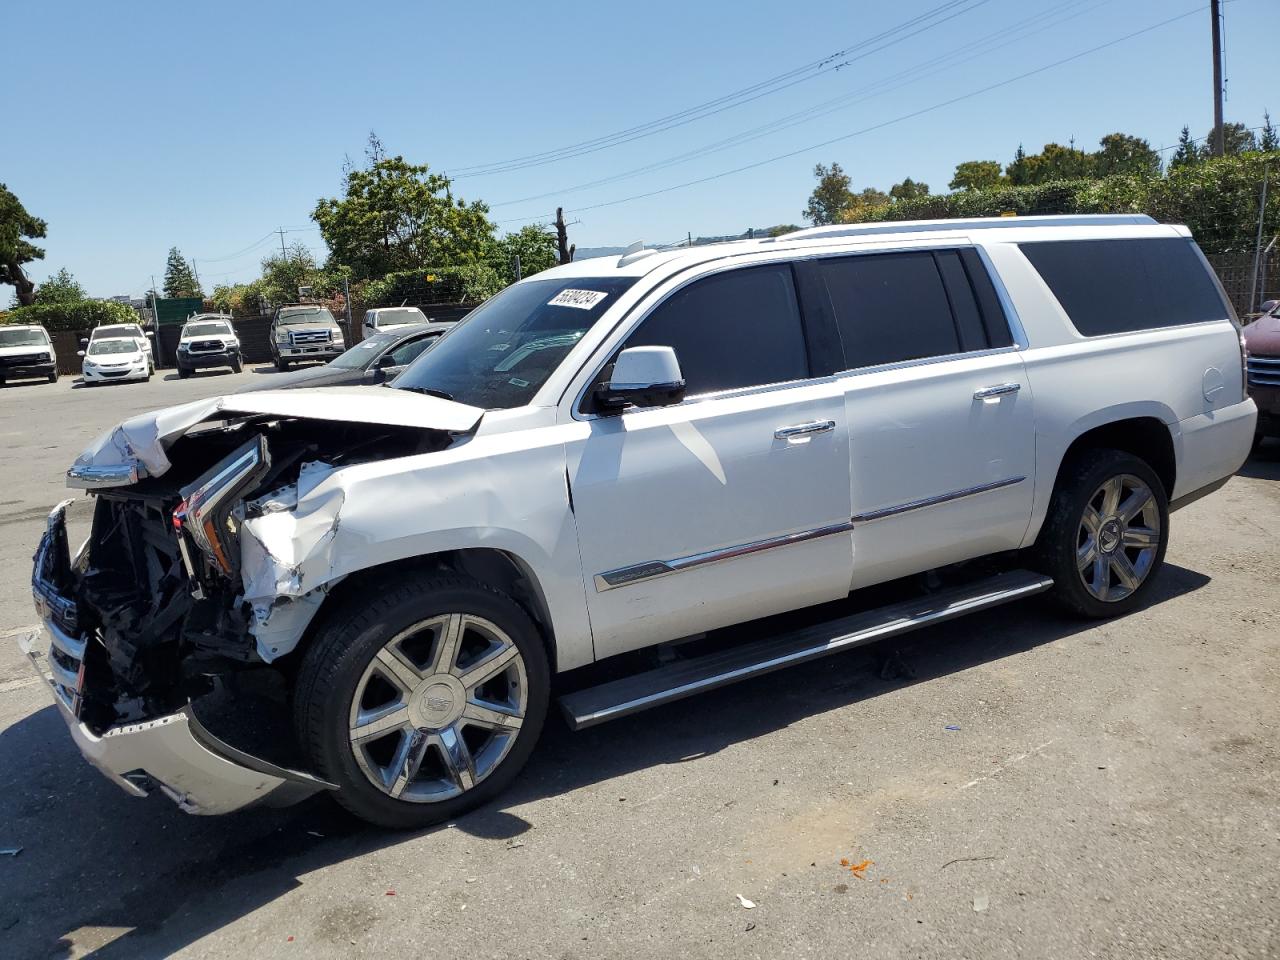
(804, 429)
(999, 390)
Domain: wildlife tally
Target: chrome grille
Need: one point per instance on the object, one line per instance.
(309, 336)
(204, 346)
(1263, 371)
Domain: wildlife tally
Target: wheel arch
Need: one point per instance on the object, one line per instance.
(501, 569)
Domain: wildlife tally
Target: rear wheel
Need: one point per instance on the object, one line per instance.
(423, 700)
(1105, 535)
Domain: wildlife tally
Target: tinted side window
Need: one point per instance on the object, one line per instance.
(408, 352)
(1117, 286)
(735, 329)
(890, 307)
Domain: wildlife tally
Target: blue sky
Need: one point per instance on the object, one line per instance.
(207, 126)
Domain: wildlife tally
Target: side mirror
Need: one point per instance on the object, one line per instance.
(643, 376)
(151, 334)
(80, 353)
(1269, 305)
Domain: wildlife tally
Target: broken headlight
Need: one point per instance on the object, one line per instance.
(205, 513)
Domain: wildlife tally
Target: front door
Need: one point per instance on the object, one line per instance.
(732, 505)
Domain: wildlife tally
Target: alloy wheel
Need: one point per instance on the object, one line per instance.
(1118, 538)
(438, 708)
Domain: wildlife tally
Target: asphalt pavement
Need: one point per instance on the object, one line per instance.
(1040, 787)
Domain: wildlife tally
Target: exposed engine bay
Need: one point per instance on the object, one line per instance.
(163, 581)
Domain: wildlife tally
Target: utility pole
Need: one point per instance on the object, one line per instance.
(564, 248)
(1215, 11)
(283, 255)
(195, 272)
(346, 301)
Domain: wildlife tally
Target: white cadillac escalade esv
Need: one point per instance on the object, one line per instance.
(630, 454)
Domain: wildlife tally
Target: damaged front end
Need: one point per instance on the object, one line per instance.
(192, 580)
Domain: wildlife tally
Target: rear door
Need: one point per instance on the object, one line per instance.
(731, 505)
(940, 412)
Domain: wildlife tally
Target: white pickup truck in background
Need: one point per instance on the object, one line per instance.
(621, 454)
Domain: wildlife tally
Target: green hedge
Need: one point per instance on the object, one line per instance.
(1217, 198)
(75, 315)
(471, 283)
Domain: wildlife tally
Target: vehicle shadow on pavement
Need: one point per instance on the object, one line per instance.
(199, 374)
(105, 873)
(1265, 463)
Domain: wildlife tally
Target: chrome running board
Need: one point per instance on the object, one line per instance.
(684, 678)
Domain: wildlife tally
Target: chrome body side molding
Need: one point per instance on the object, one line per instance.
(652, 569)
(934, 501)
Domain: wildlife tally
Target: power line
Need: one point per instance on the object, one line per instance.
(886, 123)
(835, 61)
(934, 65)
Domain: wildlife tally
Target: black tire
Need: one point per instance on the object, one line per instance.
(53, 377)
(235, 364)
(282, 364)
(1056, 548)
(344, 646)
(1257, 443)
(183, 373)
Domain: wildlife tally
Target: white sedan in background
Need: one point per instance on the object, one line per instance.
(115, 358)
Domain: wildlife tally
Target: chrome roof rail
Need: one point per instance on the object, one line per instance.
(972, 223)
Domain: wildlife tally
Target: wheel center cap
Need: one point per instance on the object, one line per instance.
(1109, 535)
(437, 702)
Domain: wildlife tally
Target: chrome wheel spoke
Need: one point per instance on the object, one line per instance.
(376, 723)
(1111, 491)
(489, 668)
(1085, 554)
(403, 674)
(1142, 537)
(456, 756)
(408, 759)
(1124, 571)
(1100, 580)
(1091, 520)
(1134, 504)
(490, 718)
(445, 656)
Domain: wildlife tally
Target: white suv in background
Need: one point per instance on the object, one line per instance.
(208, 340)
(622, 454)
(384, 318)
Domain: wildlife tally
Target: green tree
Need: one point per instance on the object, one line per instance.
(1236, 139)
(1268, 139)
(976, 175)
(908, 189)
(783, 228)
(1187, 154)
(1123, 154)
(863, 205)
(179, 278)
(395, 215)
(1054, 162)
(283, 274)
(830, 198)
(534, 244)
(17, 229)
(62, 287)
(1017, 172)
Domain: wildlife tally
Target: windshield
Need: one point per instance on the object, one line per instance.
(506, 348)
(123, 330)
(394, 315)
(361, 355)
(306, 316)
(206, 330)
(35, 337)
(99, 347)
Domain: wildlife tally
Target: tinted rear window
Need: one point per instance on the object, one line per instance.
(1118, 286)
(890, 307)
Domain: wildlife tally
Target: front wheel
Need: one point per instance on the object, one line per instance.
(235, 364)
(53, 377)
(422, 700)
(1105, 535)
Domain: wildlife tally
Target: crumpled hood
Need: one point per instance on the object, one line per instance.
(142, 442)
(1263, 336)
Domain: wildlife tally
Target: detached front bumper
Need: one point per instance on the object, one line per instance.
(172, 753)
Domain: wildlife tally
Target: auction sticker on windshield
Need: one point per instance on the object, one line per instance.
(581, 299)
